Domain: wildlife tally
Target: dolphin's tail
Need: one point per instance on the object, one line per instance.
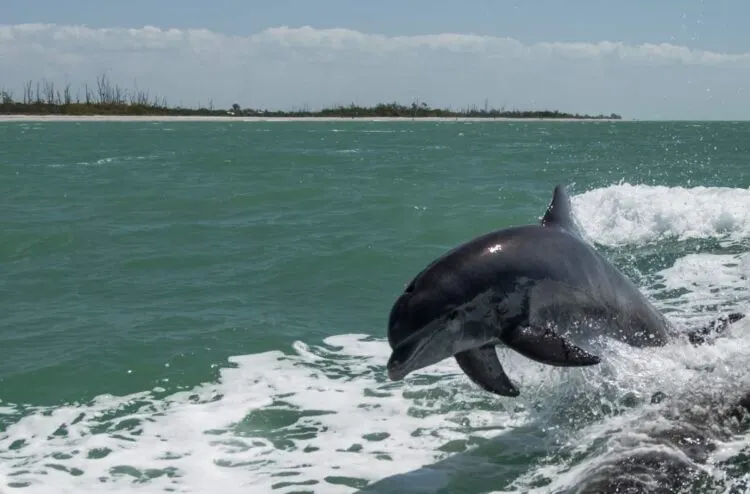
(714, 328)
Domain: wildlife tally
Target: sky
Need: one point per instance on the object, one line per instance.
(670, 59)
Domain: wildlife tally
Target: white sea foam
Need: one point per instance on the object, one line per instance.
(702, 285)
(636, 214)
(324, 418)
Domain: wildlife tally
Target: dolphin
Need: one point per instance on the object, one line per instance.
(541, 290)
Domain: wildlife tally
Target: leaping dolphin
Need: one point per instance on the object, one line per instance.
(541, 290)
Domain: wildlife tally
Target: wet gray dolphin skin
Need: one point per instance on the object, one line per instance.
(541, 290)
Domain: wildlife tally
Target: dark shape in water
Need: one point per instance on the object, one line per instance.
(679, 441)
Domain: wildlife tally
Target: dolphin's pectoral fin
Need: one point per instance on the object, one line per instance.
(544, 345)
(714, 328)
(484, 369)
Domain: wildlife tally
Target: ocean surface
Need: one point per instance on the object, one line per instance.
(202, 307)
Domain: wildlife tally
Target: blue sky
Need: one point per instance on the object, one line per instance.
(644, 59)
(719, 25)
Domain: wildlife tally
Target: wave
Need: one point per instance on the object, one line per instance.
(626, 214)
(324, 415)
(325, 418)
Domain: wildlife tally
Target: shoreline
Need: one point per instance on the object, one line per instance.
(198, 118)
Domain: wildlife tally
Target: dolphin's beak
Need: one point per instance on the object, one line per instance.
(406, 358)
(436, 342)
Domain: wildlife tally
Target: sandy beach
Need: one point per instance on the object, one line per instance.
(160, 118)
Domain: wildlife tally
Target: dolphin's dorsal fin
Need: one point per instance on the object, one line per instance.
(558, 212)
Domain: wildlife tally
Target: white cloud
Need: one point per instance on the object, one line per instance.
(285, 67)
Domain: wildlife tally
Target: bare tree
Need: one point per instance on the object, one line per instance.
(6, 97)
(66, 93)
(48, 90)
(105, 90)
(27, 92)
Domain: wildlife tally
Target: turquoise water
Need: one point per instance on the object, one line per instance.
(202, 306)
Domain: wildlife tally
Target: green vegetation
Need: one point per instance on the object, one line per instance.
(105, 98)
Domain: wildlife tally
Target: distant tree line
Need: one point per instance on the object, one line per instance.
(419, 111)
(105, 98)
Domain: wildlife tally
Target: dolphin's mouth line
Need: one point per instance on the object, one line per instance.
(398, 370)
